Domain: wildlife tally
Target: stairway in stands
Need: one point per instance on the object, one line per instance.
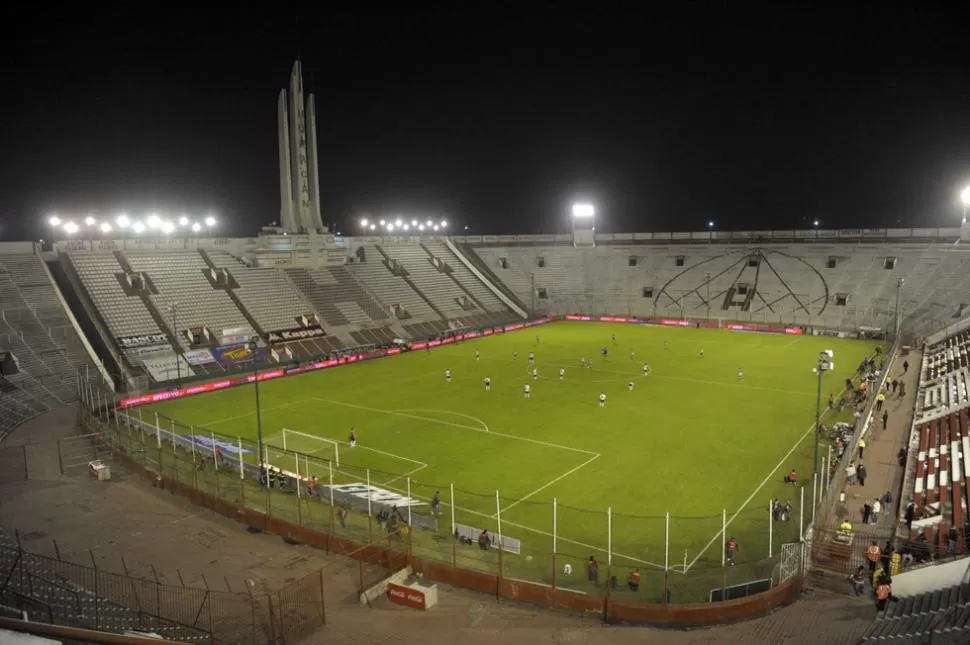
(940, 617)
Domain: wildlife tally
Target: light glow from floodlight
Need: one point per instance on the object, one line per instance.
(420, 227)
(105, 227)
(429, 223)
(196, 227)
(210, 221)
(390, 226)
(167, 227)
(965, 196)
(406, 227)
(373, 227)
(363, 222)
(414, 222)
(436, 227)
(815, 223)
(90, 221)
(382, 223)
(583, 210)
(444, 223)
(54, 220)
(70, 228)
(398, 222)
(184, 220)
(122, 221)
(138, 227)
(153, 221)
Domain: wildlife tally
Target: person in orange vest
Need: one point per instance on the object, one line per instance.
(792, 477)
(884, 591)
(731, 550)
(634, 581)
(873, 553)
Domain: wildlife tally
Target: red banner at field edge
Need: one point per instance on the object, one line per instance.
(687, 323)
(202, 388)
(407, 596)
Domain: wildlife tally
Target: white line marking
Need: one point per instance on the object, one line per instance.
(463, 426)
(811, 430)
(547, 485)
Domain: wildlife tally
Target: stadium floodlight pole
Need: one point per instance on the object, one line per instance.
(253, 345)
(175, 331)
(899, 285)
(824, 365)
(707, 278)
(965, 198)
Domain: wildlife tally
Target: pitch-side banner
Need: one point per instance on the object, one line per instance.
(199, 357)
(232, 356)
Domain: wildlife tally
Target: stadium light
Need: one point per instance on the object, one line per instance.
(583, 210)
(420, 227)
(444, 223)
(70, 228)
(436, 227)
(184, 220)
(153, 221)
(210, 221)
(90, 221)
(710, 223)
(406, 227)
(398, 222)
(363, 222)
(373, 227)
(54, 221)
(382, 223)
(105, 227)
(815, 223)
(390, 226)
(196, 227)
(167, 227)
(122, 221)
(414, 222)
(429, 223)
(138, 227)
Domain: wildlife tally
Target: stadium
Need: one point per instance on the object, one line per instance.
(647, 428)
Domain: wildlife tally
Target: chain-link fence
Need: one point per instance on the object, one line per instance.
(57, 591)
(638, 558)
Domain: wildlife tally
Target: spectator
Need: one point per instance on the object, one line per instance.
(951, 539)
(311, 486)
(901, 457)
(592, 570)
(851, 473)
(905, 368)
(910, 515)
(876, 510)
(786, 512)
(861, 473)
(885, 419)
(858, 581)
(902, 389)
(775, 510)
(895, 385)
(866, 512)
(436, 503)
(484, 541)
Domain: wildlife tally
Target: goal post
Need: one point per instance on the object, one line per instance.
(311, 444)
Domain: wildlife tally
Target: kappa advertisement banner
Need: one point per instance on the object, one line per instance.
(291, 335)
(232, 356)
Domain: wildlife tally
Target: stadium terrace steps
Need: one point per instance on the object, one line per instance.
(48, 364)
(390, 262)
(390, 290)
(839, 285)
(441, 292)
(486, 300)
(473, 257)
(270, 299)
(944, 614)
(337, 297)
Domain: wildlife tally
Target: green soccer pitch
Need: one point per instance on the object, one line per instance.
(692, 438)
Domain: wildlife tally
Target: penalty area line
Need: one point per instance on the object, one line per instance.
(548, 484)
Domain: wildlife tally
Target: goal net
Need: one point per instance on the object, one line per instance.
(309, 444)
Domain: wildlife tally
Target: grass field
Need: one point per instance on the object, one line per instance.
(691, 439)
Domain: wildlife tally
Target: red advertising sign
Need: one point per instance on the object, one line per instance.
(406, 596)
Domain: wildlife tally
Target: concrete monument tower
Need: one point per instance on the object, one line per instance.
(299, 182)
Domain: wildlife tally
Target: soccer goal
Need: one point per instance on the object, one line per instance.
(311, 445)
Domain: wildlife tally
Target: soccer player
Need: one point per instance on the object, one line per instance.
(633, 354)
(488, 384)
(448, 375)
(740, 372)
(537, 339)
(582, 362)
(532, 357)
(515, 355)
(535, 375)
(562, 373)
(527, 390)
(666, 344)
(477, 356)
(702, 352)
(589, 364)
(353, 437)
(646, 369)
(630, 385)
(613, 338)
(602, 400)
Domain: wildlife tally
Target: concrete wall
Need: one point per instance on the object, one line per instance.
(939, 576)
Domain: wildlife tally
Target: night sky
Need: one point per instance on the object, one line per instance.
(755, 118)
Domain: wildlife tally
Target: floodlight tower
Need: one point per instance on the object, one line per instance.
(253, 345)
(584, 224)
(965, 198)
(825, 364)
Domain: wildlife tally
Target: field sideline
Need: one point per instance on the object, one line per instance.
(691, 439)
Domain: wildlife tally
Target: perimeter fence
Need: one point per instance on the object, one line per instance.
(594, 553)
